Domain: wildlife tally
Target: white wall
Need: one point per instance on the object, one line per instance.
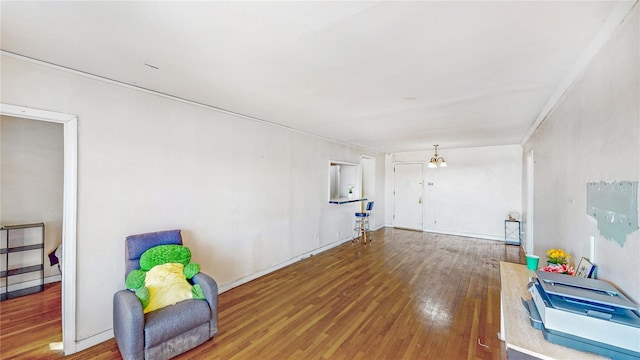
(249, 196)
(0, 172)
(473, 195)
(591, 135)
(31, 191)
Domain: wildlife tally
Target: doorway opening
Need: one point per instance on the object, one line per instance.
(69, 211)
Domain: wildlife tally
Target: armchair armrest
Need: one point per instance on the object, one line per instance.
(210, 290)
(128, 324)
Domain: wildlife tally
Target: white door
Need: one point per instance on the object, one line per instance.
(408, 196)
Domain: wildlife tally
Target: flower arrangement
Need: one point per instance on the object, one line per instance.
(560, 269)
(557, 256)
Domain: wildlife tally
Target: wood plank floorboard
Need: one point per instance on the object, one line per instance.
(405, 295)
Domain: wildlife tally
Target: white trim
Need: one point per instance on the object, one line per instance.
(175, 98)
(463, 234)
(93, 340)
(69, 211)
(69, 223)
(19, 286)
(308, 254)
(52, 279)
(616, 17)
(455, 233)
(34, 114)
(30, 283)
(271, 269)
(246, 279)
(108, 334)
(530, 204)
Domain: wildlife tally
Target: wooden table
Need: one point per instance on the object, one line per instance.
(515, 329)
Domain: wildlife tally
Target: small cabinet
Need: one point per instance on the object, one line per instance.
(512, 232)
(22, 260)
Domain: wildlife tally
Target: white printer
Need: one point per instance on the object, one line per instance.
(585, 314)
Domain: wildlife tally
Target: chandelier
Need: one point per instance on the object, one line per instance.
(435, 160)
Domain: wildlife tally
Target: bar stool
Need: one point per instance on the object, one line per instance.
(362, 223)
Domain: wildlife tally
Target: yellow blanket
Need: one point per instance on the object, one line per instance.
(167, 285)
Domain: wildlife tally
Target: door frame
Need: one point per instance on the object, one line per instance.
(69, 211)
(422, 192)
(530, 204)
(365, 178)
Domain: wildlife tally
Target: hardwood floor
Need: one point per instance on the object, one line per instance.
(406, 295)
(29, 323)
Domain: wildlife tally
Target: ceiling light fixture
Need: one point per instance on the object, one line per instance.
(435, 160)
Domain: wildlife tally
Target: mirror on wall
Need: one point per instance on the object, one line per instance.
(343, 177)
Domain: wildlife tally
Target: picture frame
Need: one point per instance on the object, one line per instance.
(585, 268)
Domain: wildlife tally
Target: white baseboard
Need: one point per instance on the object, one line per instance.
(300, 257)
(463, 234)
(108, 334)
(51, 279)
(90, 341)
(478, 236)
(30, 283)
(271, 269)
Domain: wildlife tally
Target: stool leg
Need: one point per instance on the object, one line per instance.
(364, 231)
(366, 228)
(356, 231)
(361, 230)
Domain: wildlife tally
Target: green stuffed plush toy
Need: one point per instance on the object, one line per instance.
(162, 278)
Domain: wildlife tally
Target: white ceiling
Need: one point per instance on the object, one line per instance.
(388, 76)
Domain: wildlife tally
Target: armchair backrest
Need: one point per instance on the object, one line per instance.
(135, 245)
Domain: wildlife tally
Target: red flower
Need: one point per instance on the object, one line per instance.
(560, 269)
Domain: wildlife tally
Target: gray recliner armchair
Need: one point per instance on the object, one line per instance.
(172, 330)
